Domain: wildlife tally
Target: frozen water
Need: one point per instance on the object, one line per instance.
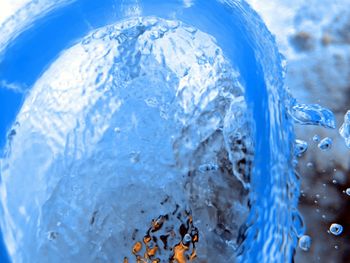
(135, 134)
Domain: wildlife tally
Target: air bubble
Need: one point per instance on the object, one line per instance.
(316, 138)
(347, 191)
(325, 144)
(336, 229)
(309, 165)
(305, 242)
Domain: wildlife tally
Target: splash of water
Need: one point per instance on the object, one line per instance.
(313, 114)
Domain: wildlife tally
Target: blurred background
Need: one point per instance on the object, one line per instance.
(314, 37)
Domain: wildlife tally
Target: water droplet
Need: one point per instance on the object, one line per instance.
(334, 181)
(336, 229)
(344, 130)
(300, 147)
(305, 242)
(313, 114)
(309, 164)
(347, 191)
(325, 144)
(316, 138)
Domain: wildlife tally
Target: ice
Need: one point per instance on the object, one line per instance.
(127, 139)
(316, 138)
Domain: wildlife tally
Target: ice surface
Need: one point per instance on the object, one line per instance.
(140, 131)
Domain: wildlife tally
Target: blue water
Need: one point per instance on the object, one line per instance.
(273, 225)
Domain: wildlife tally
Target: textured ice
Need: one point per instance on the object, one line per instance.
(135, 134)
